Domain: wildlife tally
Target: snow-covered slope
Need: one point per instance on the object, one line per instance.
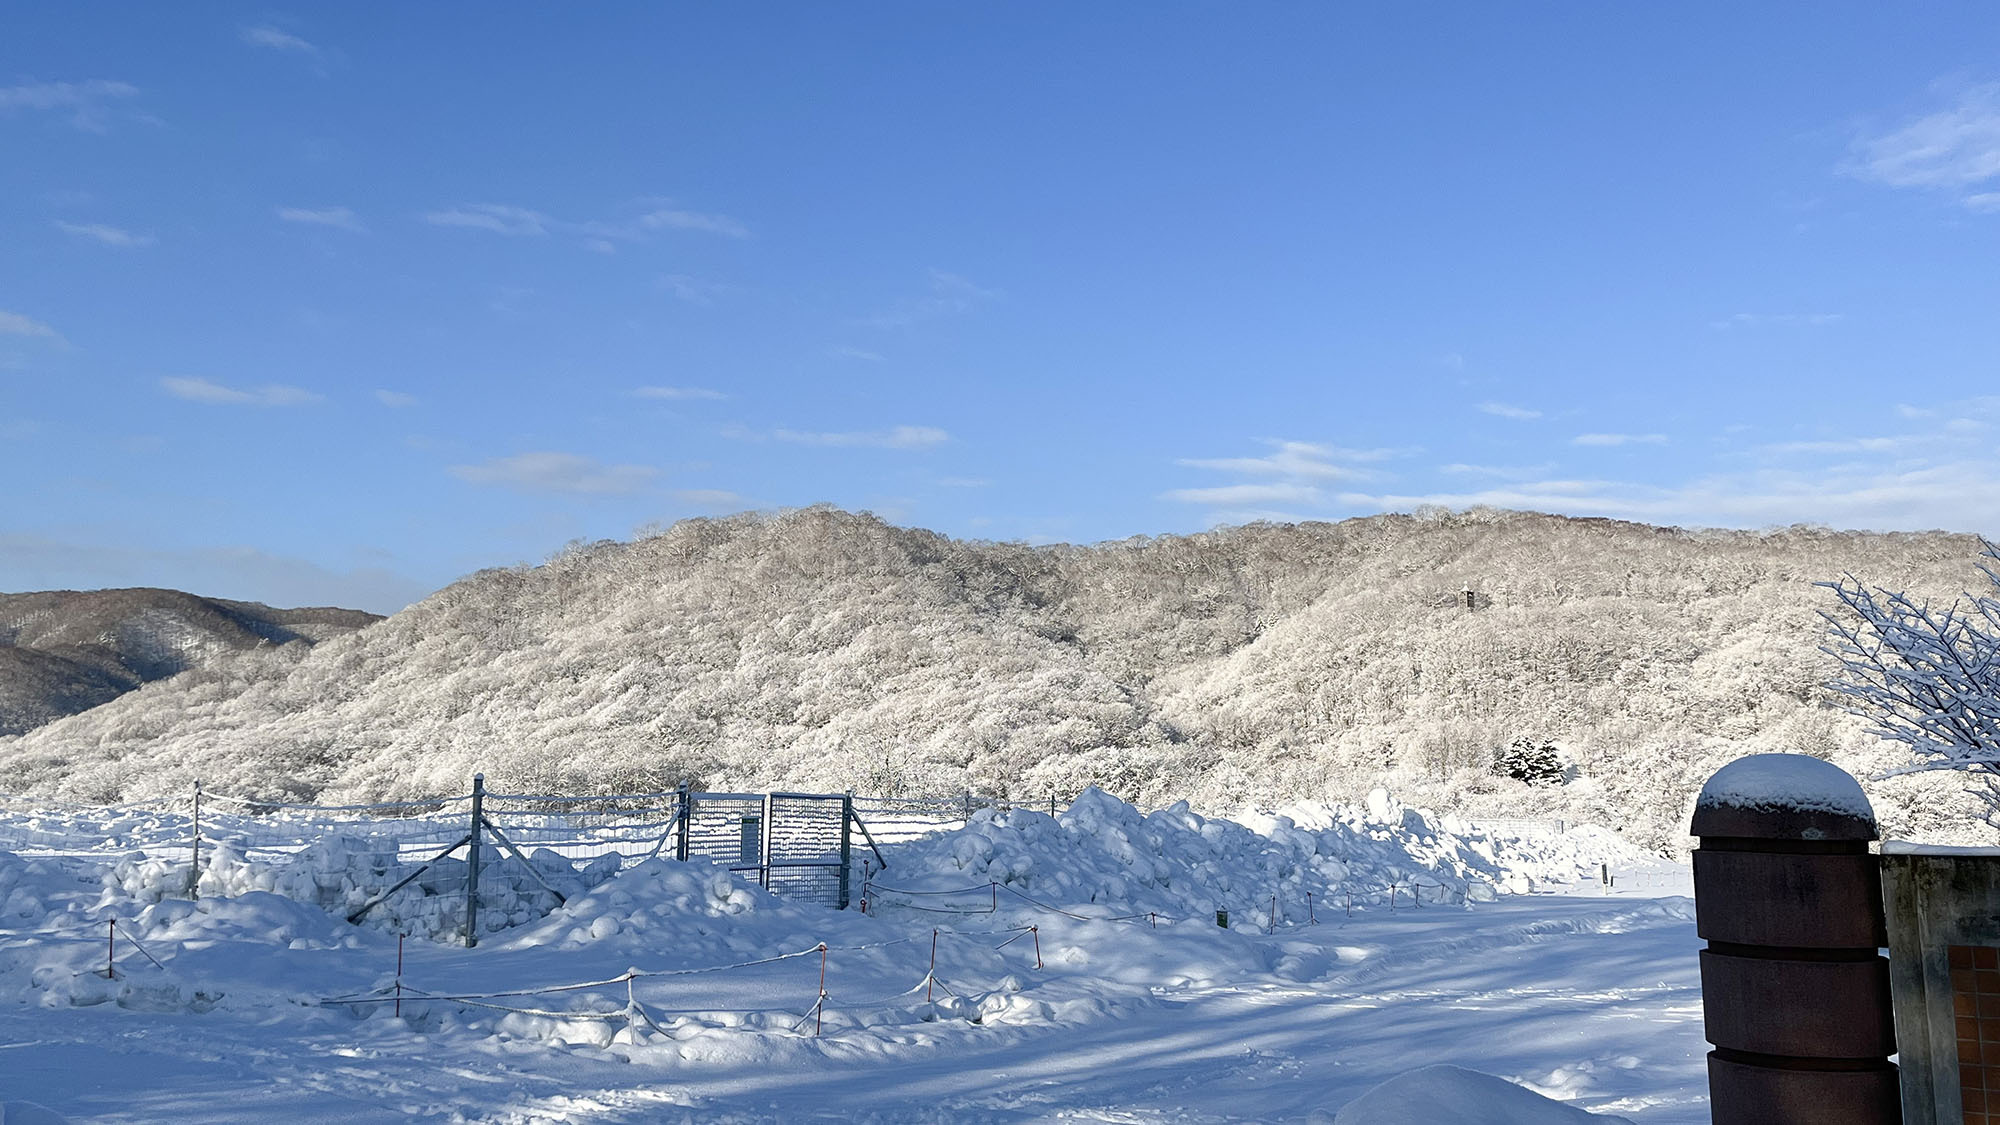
(825, 651)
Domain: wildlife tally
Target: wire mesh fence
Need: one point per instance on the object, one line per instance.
(462, 865)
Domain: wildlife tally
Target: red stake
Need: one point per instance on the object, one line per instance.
(1311, 918)
(995, 888)
(1274, 912)
(399, 976)
(1037, 931)
(111, 948)
(1150, 917)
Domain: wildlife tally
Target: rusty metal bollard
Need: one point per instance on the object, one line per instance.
(1795, 991)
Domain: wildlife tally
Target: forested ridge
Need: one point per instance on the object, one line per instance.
(818, 649)
(65, 651)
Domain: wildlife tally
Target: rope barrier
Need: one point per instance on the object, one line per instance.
(625, 977)
(399, 991)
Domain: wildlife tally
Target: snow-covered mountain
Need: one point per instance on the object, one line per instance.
(825, 650)
(65, 651)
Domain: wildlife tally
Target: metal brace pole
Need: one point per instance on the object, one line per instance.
(507, 846)
(406, 880)
(867, 835)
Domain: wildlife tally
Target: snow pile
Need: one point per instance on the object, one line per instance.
(342, 872)
(1177, 864)
(1786, 781)
(1464, 1097)
(23, 882)
(659, 902)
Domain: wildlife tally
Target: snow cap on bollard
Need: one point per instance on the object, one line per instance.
(1783, 796)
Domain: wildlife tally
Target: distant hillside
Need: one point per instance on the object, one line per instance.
(823, 650)
(65, 651)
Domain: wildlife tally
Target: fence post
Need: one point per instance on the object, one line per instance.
(472, 861)
(194, 865)
(765, 831)
(1795, 993)
(846, 844)
(686, 819)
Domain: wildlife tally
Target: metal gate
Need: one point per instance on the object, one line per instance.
(796, 844)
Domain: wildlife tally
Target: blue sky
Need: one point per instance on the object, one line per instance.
(335, 304)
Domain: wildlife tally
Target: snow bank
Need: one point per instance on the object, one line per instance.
(1436, 1094)
(1107, 855)
(341, 872)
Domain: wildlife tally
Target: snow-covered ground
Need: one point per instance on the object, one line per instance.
(1021, 969)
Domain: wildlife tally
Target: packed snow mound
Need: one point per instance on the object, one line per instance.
(1107, 855)
(1785, 781)
(1444, 1093)
(342, 872)
(684, 904)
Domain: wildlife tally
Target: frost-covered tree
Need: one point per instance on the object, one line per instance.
(1925, 677)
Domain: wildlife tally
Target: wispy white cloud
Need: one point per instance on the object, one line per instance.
(1238, 494)
(714, 499)
(1297, 459)
(15, 324)
(499, 218)
(1506, 410)
(1782, 320)
(31, 562)
(1949, 149)
(679, 393)
(896, 437)
(276, 40)
(87, 103)
(595, 234)
(1958, 495)
(948, 294)
(218, 394)
(105, 234)
(395, 399)
(552, 472)
(694, 290)
(339, 218)
(1619, 439)
(1844, 445)
(1501, 472)
(704, 222)
(1296, 476)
